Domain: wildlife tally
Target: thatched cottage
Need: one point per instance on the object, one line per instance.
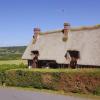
(68, 46)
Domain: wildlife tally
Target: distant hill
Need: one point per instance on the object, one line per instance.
(11, 53)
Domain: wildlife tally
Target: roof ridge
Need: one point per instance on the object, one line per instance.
(74, 29)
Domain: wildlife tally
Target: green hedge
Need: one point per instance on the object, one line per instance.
(69, 80)
(5, 67)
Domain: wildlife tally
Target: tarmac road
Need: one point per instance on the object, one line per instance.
(16, 94)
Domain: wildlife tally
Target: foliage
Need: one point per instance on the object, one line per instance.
(97, 91)
(6, 67)
(69, 80)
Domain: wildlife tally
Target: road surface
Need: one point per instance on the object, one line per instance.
(17, 94)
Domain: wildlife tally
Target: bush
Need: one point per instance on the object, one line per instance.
(97, 91)
(69, 80)
(23, 78)
(5, 67)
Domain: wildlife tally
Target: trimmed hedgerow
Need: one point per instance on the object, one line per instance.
(23, 78)
(5, 67)
(69, 80)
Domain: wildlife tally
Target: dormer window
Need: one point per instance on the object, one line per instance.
(74, 55)
(35, 52)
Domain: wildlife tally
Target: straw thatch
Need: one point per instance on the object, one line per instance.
(51, 46)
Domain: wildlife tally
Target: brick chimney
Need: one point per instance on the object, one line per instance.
(36, 33)
(66, 28)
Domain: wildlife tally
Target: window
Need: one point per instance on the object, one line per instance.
(74, 53)
(36, 52)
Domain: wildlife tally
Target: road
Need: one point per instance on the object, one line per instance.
(17, 94)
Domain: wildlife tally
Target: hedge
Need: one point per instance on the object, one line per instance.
(69, 80)
(5, 67)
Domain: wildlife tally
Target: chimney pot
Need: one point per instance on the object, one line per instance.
(36, 33)
(66, 26)
(36, 29)
(66, 29)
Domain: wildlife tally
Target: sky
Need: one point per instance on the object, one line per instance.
(19, 17)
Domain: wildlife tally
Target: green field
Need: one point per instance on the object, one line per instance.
(11, 53)
(13, 62)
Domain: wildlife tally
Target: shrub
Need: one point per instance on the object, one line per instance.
(23, 78)
(97, 91)
(5, 67)
(69, 80)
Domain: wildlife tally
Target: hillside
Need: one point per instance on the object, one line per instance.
(11, 53)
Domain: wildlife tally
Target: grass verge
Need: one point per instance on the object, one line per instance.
(17, 62)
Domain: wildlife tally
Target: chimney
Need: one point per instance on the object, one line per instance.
(36, 33)
(66, 28)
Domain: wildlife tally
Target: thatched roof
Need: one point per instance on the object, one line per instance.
(51, 46)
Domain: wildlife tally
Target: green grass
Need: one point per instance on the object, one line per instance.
(83, 70)
(17, 62)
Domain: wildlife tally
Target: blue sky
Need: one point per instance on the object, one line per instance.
(19, 17)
